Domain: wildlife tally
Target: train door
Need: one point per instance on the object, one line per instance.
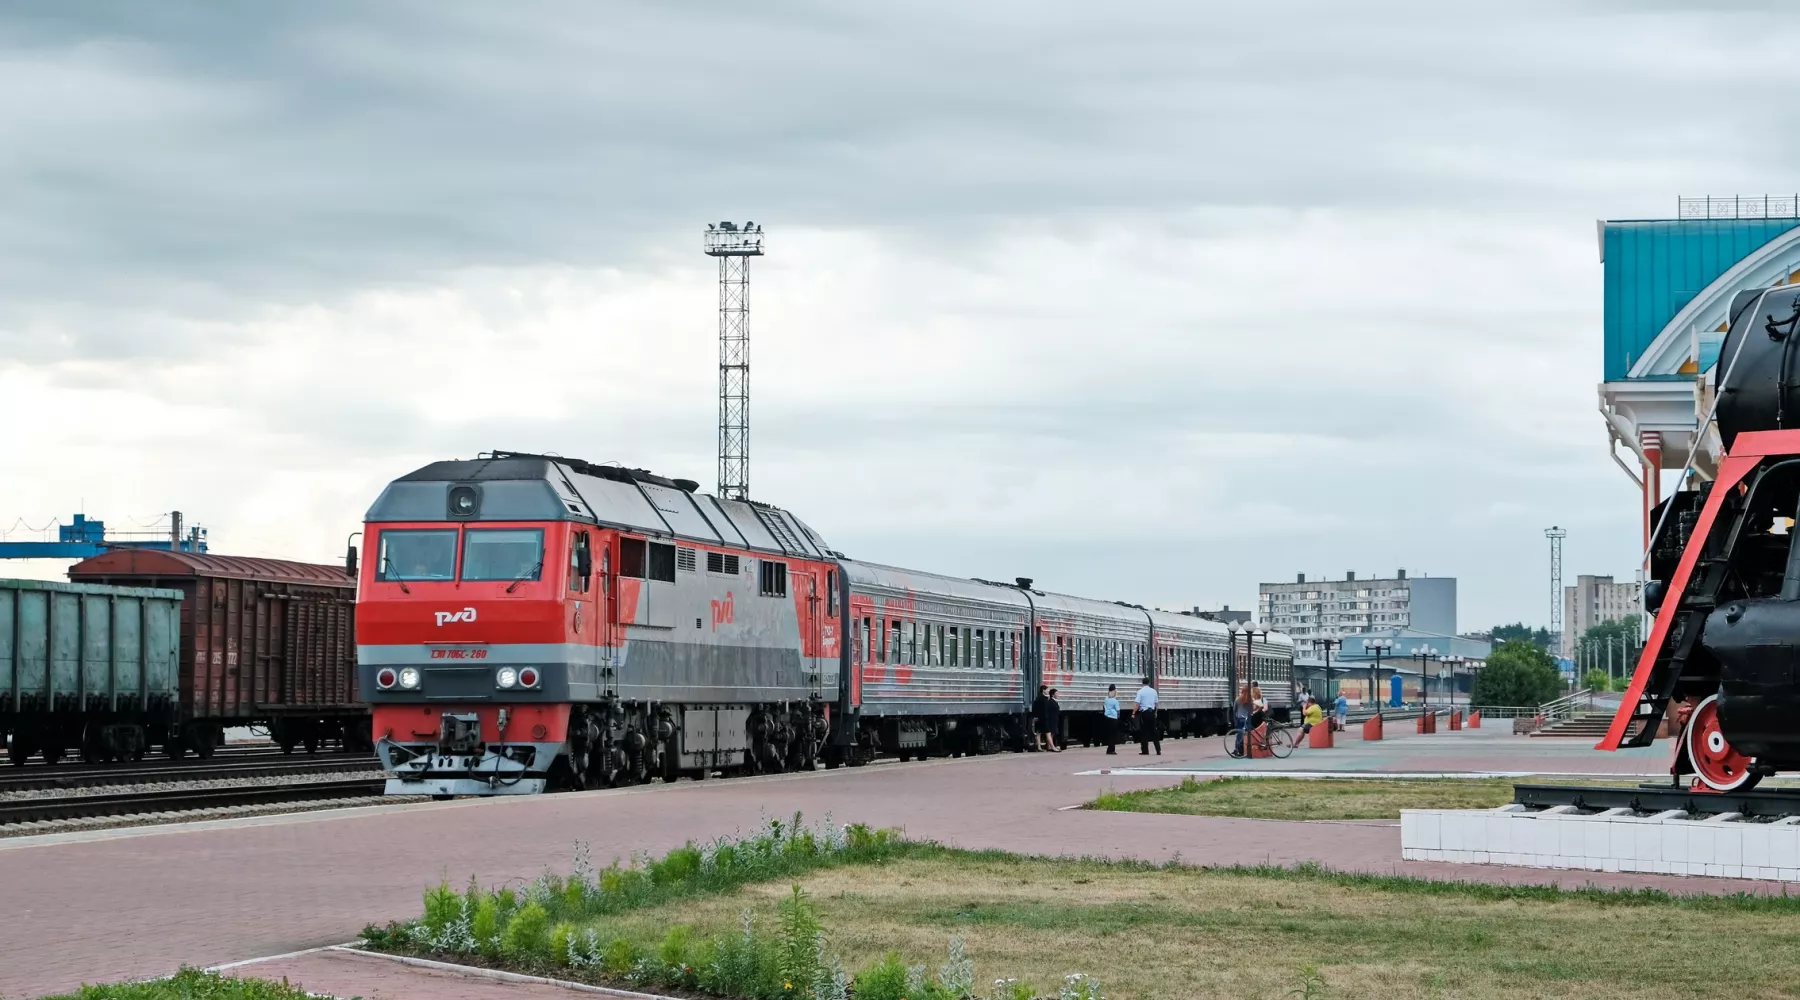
(813, 638)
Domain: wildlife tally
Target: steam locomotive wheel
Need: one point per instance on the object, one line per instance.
(1718, 765)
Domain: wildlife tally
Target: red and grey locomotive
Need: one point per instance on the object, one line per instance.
(527, 622)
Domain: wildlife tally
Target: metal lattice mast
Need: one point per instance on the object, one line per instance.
(1556, 536)
(734, 247)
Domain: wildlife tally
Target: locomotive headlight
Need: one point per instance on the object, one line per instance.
(409, 677)
(528, 677)
(506, 677)
(384, 678)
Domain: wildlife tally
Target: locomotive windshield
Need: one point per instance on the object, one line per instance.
(503, 554)
(417, 554)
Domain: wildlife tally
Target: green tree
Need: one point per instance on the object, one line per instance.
(1518, 674)
(1596, 680)
(1519, 631)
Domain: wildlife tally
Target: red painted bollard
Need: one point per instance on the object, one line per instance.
(1372, 729)
(1319, 738)
(1455, 721)
(1474, 720)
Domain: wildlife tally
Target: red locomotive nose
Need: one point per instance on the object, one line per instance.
(385, 678)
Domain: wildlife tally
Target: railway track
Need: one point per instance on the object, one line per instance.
(181, 800)
(260, 766)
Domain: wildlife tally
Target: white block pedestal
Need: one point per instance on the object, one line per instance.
(1670, 843)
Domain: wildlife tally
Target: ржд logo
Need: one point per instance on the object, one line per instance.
(446, 617)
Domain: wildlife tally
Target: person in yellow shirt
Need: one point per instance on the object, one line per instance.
(1310, 716)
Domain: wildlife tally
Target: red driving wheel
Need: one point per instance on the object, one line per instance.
(1718, 765)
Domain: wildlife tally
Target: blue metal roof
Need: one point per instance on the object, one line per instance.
(1654, 267)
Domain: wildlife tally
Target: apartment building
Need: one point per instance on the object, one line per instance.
(1595, 599)
(1331, 609)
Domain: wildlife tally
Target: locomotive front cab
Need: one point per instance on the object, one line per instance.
(473, 629)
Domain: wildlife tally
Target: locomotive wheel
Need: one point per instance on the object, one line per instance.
(1718, 765)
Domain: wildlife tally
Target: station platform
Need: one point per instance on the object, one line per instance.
(139, 902)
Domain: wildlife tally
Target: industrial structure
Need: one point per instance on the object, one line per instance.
(86, 537)
(1556, 536)
(1333, 609)
(734, 246)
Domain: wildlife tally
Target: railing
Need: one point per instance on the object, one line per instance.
(1761, 206)
(1552, 711)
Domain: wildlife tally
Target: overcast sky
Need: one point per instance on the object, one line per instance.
(1148, 301)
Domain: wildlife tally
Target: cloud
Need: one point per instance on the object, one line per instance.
(1150, 302)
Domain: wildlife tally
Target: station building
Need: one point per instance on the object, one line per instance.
(1668, 285)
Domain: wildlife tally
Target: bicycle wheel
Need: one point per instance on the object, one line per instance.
(1231, 749)
(1281, 741)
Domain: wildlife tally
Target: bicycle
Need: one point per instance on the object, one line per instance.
(1275, 737)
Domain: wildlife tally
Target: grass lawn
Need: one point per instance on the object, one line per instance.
(1326, 798)
(191, 984)
(1168, 932)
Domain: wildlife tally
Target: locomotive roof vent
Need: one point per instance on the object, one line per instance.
(1023, 582)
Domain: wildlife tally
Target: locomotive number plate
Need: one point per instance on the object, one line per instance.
(458, 653)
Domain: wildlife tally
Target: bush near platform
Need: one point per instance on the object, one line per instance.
(192, 984)
(558, 924)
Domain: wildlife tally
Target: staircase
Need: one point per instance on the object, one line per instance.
(1587, 725)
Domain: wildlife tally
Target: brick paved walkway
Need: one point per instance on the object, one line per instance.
(140, 902)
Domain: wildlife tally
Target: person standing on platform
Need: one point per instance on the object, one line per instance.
(1053, 722)
(1240, 716)
(1342, 707)
(1112, 718)
(1040, 710)
(1149, 723)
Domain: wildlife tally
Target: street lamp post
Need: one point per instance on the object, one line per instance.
(1377, 647)
(1329, 644)
(1424, 654)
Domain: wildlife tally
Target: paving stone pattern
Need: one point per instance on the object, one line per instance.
(110, 905)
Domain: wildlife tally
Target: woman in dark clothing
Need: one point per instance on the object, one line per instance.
(1040, 711)
(1053, 721)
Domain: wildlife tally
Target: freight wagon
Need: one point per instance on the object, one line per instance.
(86, 666)
(263, 642)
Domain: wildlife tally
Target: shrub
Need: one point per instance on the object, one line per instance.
(524, 935)
(674, 947)
(621, 956)
(560, 938)
(485, 927)
(679, 865)
(885, 980)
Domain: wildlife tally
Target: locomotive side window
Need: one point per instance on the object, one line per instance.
(631, 558)
(503, 554)
(772, 581)
(831, 595)
(866, 653)
(661, 562)
(413, 555)
(577, 549)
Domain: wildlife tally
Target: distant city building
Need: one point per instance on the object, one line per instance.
(1593, 600)
(1224, 614)
(1332, 609)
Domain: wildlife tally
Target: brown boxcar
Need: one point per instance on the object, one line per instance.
(264, 642)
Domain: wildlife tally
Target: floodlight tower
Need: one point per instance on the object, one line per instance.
(734, 246)
(1556, 536)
